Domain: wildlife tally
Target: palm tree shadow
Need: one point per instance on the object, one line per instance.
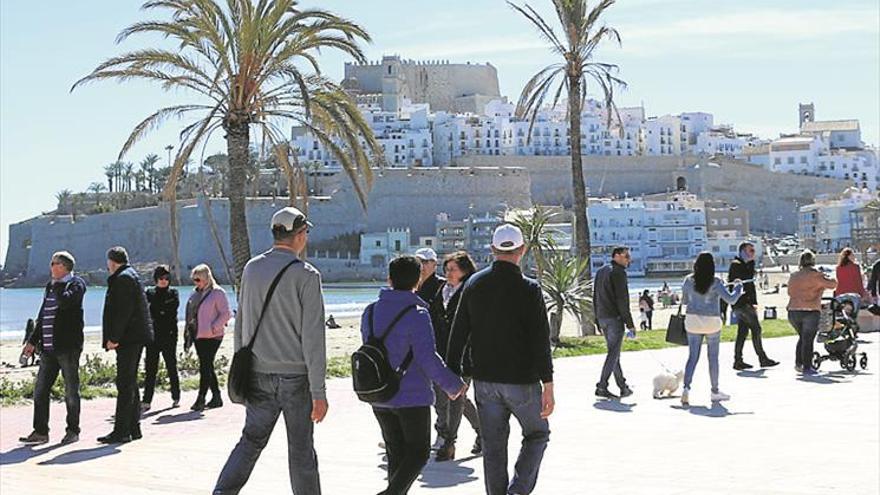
(614, 406)
(76, 456)
(23, 453)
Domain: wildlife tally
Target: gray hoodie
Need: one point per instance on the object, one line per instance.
(291, 340)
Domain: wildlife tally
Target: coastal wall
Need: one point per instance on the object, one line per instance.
(772, 199)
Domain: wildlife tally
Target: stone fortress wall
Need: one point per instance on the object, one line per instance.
(445, 86)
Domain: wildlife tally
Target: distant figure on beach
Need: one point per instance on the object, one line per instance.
(331, 323)
(805, 289)
(127, 328)
(503, 316)
(402, 320)
(458, 267)
(207, 313)
(611, 307)
(164, 301)
(746, 308)
(646, 306)
(849, 275)
(58, 335)
(701, 293)
(290, 357)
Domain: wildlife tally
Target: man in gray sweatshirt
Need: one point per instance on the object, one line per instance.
(289, 357)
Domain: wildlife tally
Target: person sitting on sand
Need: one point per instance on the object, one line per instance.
(331, 323)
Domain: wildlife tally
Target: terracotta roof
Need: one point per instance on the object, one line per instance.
(831, 125)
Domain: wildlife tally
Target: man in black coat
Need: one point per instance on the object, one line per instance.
(613, 315)
(746, 308)
(127, 329)
(164, 302)
(59, 336)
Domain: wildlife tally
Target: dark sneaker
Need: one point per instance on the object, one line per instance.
(214, 403)
(768, 363)
(477, 449)
(175, 404)
(34, 439)
(136, 433)
(603, 392)
(145, 406)
(199, 404)
(445, 453)
(69, 438)
(625, 392)
(114, 438)
(809, 372)
(742, 365)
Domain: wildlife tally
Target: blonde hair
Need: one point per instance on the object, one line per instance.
(203, 271)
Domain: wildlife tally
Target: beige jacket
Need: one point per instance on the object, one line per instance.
(805, 289)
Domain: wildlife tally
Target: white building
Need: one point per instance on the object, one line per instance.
(837, 134)
(379, 248)
(825, 226)
(795, 154)
(662, 136)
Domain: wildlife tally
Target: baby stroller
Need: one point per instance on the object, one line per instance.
(839, 331)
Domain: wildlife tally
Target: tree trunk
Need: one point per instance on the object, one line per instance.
(237, 147)
(175, 240)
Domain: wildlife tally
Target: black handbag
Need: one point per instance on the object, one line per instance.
(675, 332)
(239, 380)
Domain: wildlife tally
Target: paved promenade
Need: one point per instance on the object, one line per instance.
(778, 435)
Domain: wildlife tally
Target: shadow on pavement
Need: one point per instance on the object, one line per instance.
(155, 412)
(826, 379)
(752, 373)
(178, 418)
(23, 453)
(446, 474)
(83, 455)
(614, 406)
(716, 411)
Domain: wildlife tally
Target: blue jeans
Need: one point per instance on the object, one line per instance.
(270, 396)
(612, 329)
(695, 343)
(51, 363)
(806, 323)
(495, 404)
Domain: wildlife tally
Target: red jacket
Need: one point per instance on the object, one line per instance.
(849, 280)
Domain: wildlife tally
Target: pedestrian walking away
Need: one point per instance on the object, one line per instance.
(503, 316)
(403, 321)
(746, 308)
(127, 328)
(207, 313)
(289, 357)
(614, 318)
(58, 337)
(164, 301)
(701, 293)
(805, 289)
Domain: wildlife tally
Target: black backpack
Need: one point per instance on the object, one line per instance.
(373, 377)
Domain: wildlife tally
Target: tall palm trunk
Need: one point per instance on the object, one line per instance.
(237, 146)
(581, 229)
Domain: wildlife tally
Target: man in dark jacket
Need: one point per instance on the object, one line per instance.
(164, 302)
(874, 281)
(613, 315)
(430, 290)
(503, 315)
(746, 308)
(127, 329)
(59, 335)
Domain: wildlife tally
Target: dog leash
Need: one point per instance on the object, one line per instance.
(662, 365)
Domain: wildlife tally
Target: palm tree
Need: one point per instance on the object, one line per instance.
(582, 35)
(63, 196)
(534, 224)
(249, 67)
(75, 204)
(565, 288)
(148, 166)
(110, 172)
(127, 174)
(97, 188)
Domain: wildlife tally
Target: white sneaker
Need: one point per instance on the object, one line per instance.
(719, 396)
(684, 397)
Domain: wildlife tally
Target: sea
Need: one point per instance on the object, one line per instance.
(340, 300)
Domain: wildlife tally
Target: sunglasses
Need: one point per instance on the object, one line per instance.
(53, 263)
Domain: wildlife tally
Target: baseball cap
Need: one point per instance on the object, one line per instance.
(507, 237)
(289, 218)
(426, 254)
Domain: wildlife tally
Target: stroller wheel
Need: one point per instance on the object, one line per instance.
(817, 360)
(864, 361)
(850, 362)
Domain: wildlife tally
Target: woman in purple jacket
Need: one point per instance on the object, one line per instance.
(405, 420)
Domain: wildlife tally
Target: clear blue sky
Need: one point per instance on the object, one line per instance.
(748, 62)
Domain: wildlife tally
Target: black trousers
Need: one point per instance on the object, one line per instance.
(407, 435)
(206, 349)
(151, 367)
(128, 407)
(747, 320)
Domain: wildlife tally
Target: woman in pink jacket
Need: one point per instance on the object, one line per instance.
(207, 312)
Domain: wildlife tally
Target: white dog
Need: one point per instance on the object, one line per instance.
(667, 382)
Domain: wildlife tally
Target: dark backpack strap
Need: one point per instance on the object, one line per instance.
(266, 301)
(370, 324)
(395, 320)
(406, 362)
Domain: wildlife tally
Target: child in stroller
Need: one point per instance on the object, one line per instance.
(839, 332)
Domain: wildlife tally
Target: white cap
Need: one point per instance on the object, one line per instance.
(507, 237)
(426, 254)
(290, 219)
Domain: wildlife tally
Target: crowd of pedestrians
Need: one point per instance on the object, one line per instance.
(485, 329)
